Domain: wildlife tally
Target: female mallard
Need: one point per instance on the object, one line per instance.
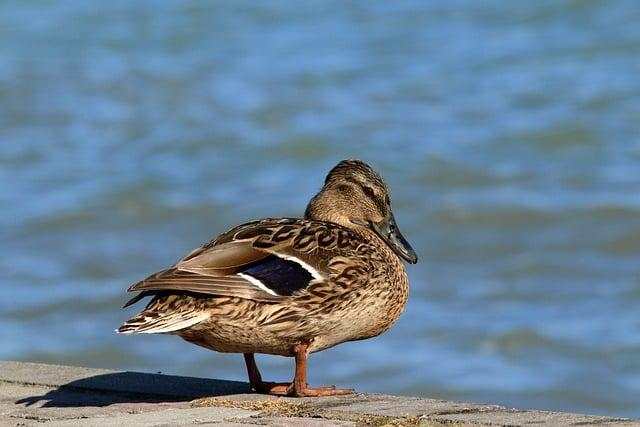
(289, 286)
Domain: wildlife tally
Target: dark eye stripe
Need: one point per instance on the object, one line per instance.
(369, 192)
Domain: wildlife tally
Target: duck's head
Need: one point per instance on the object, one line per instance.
(355, 196)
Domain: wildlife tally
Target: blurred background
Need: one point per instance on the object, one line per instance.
(132, 132)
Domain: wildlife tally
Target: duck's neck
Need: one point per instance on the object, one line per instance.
(327, 209)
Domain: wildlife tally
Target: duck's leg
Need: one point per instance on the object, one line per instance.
(300, 388)
(255, 379)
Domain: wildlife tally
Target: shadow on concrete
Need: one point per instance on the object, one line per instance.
(133, 387)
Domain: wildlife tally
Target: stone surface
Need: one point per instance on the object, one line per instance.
(37, 394)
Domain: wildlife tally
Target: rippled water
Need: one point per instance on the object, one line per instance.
(131, 132)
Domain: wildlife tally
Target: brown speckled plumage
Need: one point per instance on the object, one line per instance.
(272, 285)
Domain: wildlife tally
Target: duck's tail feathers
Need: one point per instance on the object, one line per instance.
(150, 322)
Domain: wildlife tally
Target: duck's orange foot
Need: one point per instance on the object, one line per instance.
(265, 387)
(299, 386)
(319, 391)
(288, 389)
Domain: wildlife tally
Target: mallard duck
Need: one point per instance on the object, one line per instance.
(289, 286)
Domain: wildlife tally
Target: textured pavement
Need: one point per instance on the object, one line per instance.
(50, 395)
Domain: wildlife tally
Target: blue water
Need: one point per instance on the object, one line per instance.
(509, 133)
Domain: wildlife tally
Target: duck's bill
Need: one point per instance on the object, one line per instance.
(388, 230)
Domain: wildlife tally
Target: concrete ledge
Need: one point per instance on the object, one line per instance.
(36, 394)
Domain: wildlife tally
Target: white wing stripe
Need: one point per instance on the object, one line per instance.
(257, 283)
(313, 271)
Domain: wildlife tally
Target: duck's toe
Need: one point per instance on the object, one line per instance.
(278, 389)
(320, 391)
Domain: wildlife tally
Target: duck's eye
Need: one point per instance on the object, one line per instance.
(368, 191)
(343, 188)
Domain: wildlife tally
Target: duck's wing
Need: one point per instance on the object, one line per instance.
(266, 260)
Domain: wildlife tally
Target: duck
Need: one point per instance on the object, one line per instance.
(289, 286)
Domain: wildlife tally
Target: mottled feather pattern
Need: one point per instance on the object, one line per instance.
(348, 263)
(320, 281)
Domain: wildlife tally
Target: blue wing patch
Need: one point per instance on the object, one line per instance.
(282, 276)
